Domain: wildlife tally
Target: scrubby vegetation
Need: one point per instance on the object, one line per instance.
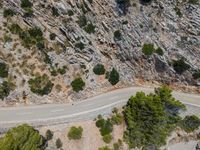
(75, 133)
(58, 143)
(104, 148)
(99, 69)
(49, 135)
(8, 13)
(29, 37)
(150, 118)
(90, 28)
(196, 75)
(3, 70)
(77, 84)
(190, 123)
(23, 137)
(41, 85)
(5, 89)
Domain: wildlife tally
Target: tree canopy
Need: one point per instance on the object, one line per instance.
(23, 137)
(150, 118)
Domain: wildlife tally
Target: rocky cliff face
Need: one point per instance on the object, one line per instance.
(110, 32)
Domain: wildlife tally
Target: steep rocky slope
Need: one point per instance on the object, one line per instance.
(78, 34)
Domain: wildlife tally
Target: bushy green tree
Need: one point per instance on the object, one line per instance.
(99, 69)
(113, 77)
(75, 133)
(77, 84)
(23, 137)
(5, 89)
(150, 118)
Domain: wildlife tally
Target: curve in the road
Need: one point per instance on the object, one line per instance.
(86, 109)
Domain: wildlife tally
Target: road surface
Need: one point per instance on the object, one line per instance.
(61, 113)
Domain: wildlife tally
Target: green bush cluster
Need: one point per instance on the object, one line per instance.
(180, 66)
(3, 70)
(8, 13)
(117, 145)
(117, 119)
(83, 23)
(75, 133)
(23, 137)
(62, 71)
(190, 123)
(41, 85)
(105, 128)
(78, 84)
(29, 37)
(99, 69)
(151, 118)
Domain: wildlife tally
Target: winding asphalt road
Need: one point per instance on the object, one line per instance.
(61, 113)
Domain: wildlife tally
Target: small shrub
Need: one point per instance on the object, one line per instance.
(190, 123)
(75, 133)
(55, 12)
(58, 143)
(148, 49)
(116, 119)
(5, 89)
(90, 28)
(99, 69)
(70, 13)
(117, 145)
(49, 135)
(77, 84)
(178, 12)
(194, 2)
(113, 77)
(104, 148)
(52, 36)
(80, 45)
(100, 123)
(180, 66)
(107, 138)
(8, 13)
(159, 51)
(196, 75)
(3, 70)
(117, 35)
(41, 85)
(26, 4)
(82, 21)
